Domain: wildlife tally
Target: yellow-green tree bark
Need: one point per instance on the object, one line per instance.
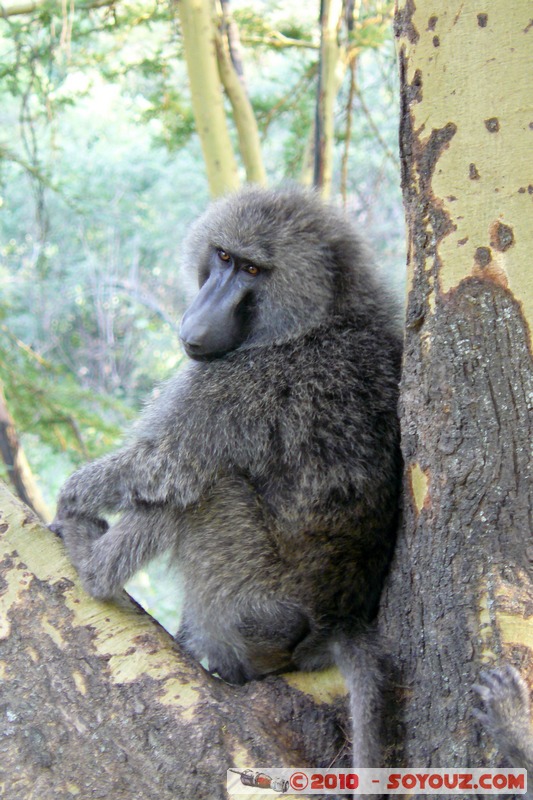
(198, 31)
(98, 701)
(243, 114)
(331, 73)
(462, 576)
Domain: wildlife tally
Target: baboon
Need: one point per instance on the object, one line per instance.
(269, 467)
(506, 715)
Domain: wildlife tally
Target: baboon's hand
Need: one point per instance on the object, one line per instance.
(505, 713)
(72, 501)
(95, 488)
(79, 535)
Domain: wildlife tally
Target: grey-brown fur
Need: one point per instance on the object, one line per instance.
(506, 716)
(271, 471)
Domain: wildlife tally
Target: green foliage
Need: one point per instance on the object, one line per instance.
(268, 31)
(252, 25)
(173, 114)
(60, 424)
(45, 400)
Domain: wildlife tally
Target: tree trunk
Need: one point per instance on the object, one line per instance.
(228, 55)
(206, 94)
(97, 701)
(18, 469)
(462, 573)
(331, 73)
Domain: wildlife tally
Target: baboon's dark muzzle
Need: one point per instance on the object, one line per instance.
(214, 323)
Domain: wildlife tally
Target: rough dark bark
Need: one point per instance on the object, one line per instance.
(463, 561)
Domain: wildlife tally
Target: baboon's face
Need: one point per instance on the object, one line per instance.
(221, 316)
(266, 268)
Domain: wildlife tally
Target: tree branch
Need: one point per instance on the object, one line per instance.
(29, 6)
(109, 687)
(243, 114)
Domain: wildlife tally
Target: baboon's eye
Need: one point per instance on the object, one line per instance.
(251, 269)
(225, 257)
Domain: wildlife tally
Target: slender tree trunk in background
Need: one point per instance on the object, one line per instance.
(243, 113)
(18, 469)
(231, 32)
(331, 72)
(208, 105)
(460, 594)
(352, 91)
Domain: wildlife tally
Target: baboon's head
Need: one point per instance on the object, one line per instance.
(271, 264)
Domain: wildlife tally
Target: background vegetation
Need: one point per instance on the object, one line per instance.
(101, 172)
